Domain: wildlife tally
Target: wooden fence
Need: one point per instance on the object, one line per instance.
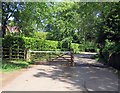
(65, 55)
(0, 53)
(14, 53)
(18, 53)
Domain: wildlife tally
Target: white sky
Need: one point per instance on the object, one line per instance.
(11, 18)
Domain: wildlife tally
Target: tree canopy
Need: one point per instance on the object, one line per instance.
(81, 21)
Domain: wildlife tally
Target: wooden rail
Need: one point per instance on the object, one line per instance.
(60, 54)
(14, 53)
(63, 52)
(18, 53)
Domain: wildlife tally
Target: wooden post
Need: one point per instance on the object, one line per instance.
(25, 54)
(10, 53)
(28, 55)
(18, 52)
(1, 52)
(72, 58)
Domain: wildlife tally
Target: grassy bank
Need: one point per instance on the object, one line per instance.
(8, 66)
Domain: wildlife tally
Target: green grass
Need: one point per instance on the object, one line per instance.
(8, 66)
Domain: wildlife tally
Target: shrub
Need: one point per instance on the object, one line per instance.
(10, 41)
(13, 65)
(50, 45)
(109, 49)
(90, 47)
(39, 44)
(75, 47)
(40, 35)
(66, 43)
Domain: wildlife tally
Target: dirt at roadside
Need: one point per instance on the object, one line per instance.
(7, 77)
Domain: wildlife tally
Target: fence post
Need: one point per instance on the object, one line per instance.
(25, 54)
(10, 53)
(72, 58)
(28, 55)
(18, 52)
(1, 53)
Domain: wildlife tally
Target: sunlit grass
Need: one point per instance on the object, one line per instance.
(8, 66)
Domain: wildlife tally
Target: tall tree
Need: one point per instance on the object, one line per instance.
(8, 10)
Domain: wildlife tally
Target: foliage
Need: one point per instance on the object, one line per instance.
(35, 43)
(30, 19)
(39, 44)
(10, 41)
(90, 47)
(39, 35)
(109, 36)
(66, 43)
(76, 48)
(8, 65)
(10, 9)
(66, 23)
(61, 20)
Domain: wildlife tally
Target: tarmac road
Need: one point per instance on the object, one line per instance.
(86, 75)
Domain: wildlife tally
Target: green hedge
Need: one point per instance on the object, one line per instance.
(39, 44)
(90, 47)
(35, 43)
(109, 49)
(10, 41)
(75, 47)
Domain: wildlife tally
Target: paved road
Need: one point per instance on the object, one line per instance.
(86, 75)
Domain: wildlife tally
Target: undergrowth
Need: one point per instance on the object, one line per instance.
(8, 66)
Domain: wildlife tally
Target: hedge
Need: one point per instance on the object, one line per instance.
(35, 43)
(75, 47)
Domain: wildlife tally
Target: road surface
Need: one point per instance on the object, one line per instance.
(86, 75)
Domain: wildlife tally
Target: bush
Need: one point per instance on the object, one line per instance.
(90, 47)
(50, 45)
(66, 43)
(110, 53)
(75, 47)
(40, 35)
(81, 47)
(39, 44)
(10, 41)
(13, 65)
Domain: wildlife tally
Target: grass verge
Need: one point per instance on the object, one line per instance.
(9, 66)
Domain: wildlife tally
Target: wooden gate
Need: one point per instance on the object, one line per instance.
(59, 54)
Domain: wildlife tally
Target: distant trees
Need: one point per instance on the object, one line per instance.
(82, 22)
(70, 22)
(9, 9)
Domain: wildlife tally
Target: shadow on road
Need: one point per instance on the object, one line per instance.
(91, 77)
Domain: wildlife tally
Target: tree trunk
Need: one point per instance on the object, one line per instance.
(114, 60)
(4, 28)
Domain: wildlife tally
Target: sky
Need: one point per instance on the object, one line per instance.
(11, 18)
(58, 0)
